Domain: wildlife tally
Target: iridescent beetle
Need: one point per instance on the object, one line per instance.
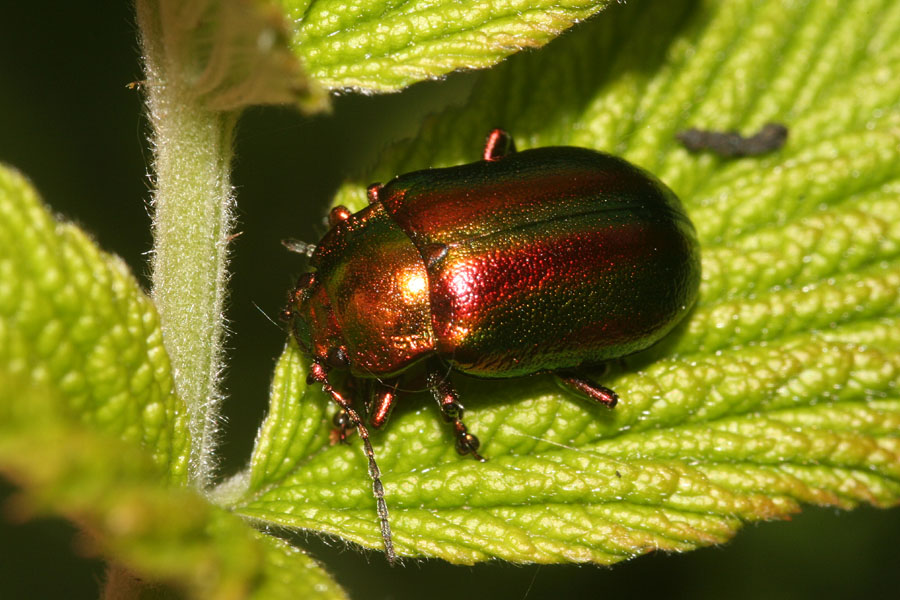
(542, 261)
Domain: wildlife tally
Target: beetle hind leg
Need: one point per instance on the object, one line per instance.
(452, 412)
(583, 386)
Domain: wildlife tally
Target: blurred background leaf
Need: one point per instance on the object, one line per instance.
(228, 54)
(91, 430)
(74, 320)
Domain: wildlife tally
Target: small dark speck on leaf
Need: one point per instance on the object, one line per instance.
(731, 144)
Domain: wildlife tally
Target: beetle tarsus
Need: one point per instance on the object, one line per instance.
(452, 412)
(466, 443)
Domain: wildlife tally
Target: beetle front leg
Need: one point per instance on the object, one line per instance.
(452, 411)
(583, 386)
(343, 422)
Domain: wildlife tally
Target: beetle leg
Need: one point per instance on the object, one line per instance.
(342, 421)
(319, 374)
(499, 143)
(452, 411)
(343, 427)
(585, 387)
(372, 192)
(382, 402)
(338, 214)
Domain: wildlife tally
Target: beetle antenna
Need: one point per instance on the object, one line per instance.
(377, 489)
(319, 374)
(266, 315)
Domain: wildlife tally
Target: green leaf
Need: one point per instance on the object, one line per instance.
(74, 320)
(781, 387)
(289, 574)
(91, 430)
(296, 425)
(167, 535)
(385, 46)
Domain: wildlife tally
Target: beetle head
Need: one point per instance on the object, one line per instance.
(313, 324)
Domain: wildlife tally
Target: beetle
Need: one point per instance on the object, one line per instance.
(547, 260)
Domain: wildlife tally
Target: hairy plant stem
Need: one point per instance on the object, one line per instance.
(192, 224)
